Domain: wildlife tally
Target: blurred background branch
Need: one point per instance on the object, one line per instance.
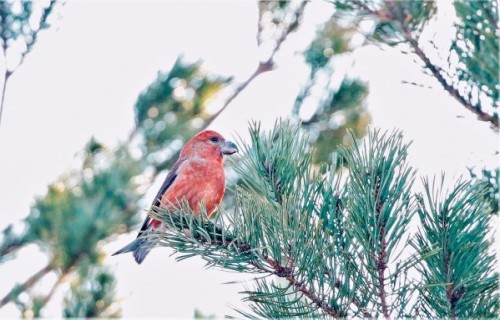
(471, 74)
(18, 29)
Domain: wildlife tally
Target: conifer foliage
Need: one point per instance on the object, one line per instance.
(324, 244)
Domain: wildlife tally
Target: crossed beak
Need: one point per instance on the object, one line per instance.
(227, 147)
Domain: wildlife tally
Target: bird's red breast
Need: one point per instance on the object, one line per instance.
(199, 181)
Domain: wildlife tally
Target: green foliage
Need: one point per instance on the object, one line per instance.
(87, 206)
(380, 210)
(339, 108)
(337, 246)
(199, 315)
(90, 204)
(172, 109)
(470, 74)
(9, 242)
(332, 39)
(476, 49)
(460, 280)
(394, 20)
(92, 294)
(101, 197)
(403, 17)
(20, 22)
(490, 181)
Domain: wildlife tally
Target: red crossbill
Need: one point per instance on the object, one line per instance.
(197, 176)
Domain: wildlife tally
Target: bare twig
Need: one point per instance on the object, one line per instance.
(29, 45)
(261, 68)
(30, 282)
(49, 295)
(265, 66)
(4, 89)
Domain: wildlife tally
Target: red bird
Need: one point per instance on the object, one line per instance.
(198, 176)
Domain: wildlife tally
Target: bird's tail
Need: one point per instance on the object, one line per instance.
(140, 248)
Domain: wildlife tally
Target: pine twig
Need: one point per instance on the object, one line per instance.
(277, 269)
(287, 273)
(381, 256)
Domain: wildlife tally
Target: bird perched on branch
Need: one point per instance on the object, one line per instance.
(197, 176)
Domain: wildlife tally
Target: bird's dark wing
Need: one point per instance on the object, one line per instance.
(172, 174)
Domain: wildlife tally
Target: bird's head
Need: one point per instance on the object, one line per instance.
(208, 144)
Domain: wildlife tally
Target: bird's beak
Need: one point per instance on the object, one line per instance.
(227, 147)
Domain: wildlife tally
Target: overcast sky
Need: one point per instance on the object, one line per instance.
(83, 77)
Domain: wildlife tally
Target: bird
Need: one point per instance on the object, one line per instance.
(197, 176)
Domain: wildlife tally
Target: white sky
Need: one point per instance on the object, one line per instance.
(83, 77)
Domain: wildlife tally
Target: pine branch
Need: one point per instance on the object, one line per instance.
(459, 280)
(379, 212)
(275, 229)
(388, 13)
(452, 90)
(205, 233)
(381, 258)
(337, 245)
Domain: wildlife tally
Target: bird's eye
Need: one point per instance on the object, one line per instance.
(214, 139)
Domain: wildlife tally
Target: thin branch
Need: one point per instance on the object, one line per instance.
(287, 273)
(4, 89)
(277, 269)
(452, 90)
(34, 35)
(289, 29)
(29, 45)
(4, 37)
(381, 256)
(436, 71)
(30, 282)
(355, 301)
(49, 295)
(261, 68)
(381, 267)
(265, 66)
